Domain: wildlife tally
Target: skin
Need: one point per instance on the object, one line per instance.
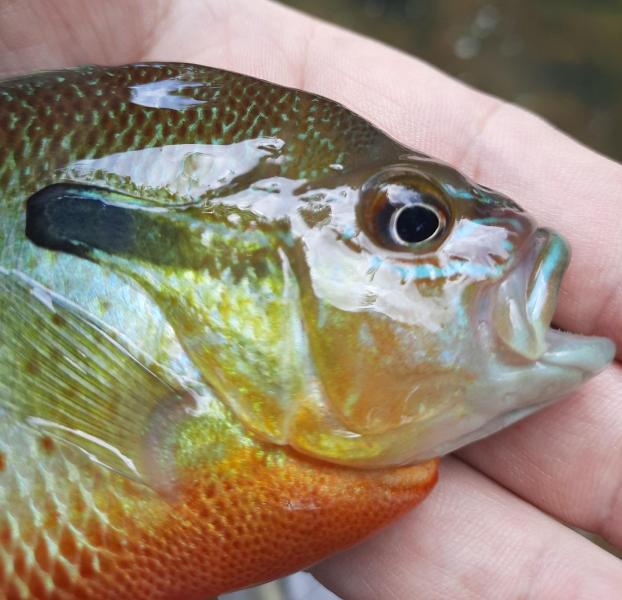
(563, 462)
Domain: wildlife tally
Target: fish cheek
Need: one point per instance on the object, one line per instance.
(377, 373)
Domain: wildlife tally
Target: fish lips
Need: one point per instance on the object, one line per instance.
(524, 307)
(531, 364)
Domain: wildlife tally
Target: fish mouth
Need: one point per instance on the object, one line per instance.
(524, 309)
(534, 364)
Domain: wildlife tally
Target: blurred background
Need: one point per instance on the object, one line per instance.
(559, 58)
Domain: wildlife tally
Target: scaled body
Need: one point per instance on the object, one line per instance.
(229, 313)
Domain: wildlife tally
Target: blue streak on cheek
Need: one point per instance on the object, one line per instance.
(431, 272)
(375, 262)
(348, 233)
(454, 192)
(406, 273)
(417, 272)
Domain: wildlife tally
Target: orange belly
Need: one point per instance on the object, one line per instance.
(257, 515)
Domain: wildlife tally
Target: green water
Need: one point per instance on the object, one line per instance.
(559, 58)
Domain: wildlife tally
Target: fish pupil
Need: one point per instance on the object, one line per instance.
(414, 224)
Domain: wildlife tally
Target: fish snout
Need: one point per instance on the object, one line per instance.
(526, 298)
(525, 304)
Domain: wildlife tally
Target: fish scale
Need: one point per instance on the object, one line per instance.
(223, 354)
(56, 497)
(39, 113)
(73, 532)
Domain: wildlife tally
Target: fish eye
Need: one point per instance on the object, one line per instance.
(403, 212)
(415, 224)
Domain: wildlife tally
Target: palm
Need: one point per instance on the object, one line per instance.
(484, 533)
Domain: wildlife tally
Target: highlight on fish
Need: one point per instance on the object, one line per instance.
(238, 324)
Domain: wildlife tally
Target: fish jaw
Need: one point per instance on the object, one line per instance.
(522, 314)
(510, 393)
(525, 300)
(534, 364)
(524, 306)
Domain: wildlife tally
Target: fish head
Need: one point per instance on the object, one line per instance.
(428, 302)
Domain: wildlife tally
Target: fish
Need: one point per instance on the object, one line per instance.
(239, 325)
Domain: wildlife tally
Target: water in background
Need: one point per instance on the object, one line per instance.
(559, 58)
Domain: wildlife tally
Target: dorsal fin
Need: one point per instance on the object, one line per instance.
(66, 373)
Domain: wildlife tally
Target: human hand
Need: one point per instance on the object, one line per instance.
(484, 532)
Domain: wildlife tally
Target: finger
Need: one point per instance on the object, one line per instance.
(58, 33)
(566, 460)
(473, 540)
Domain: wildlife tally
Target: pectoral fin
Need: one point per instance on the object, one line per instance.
(75, 378)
